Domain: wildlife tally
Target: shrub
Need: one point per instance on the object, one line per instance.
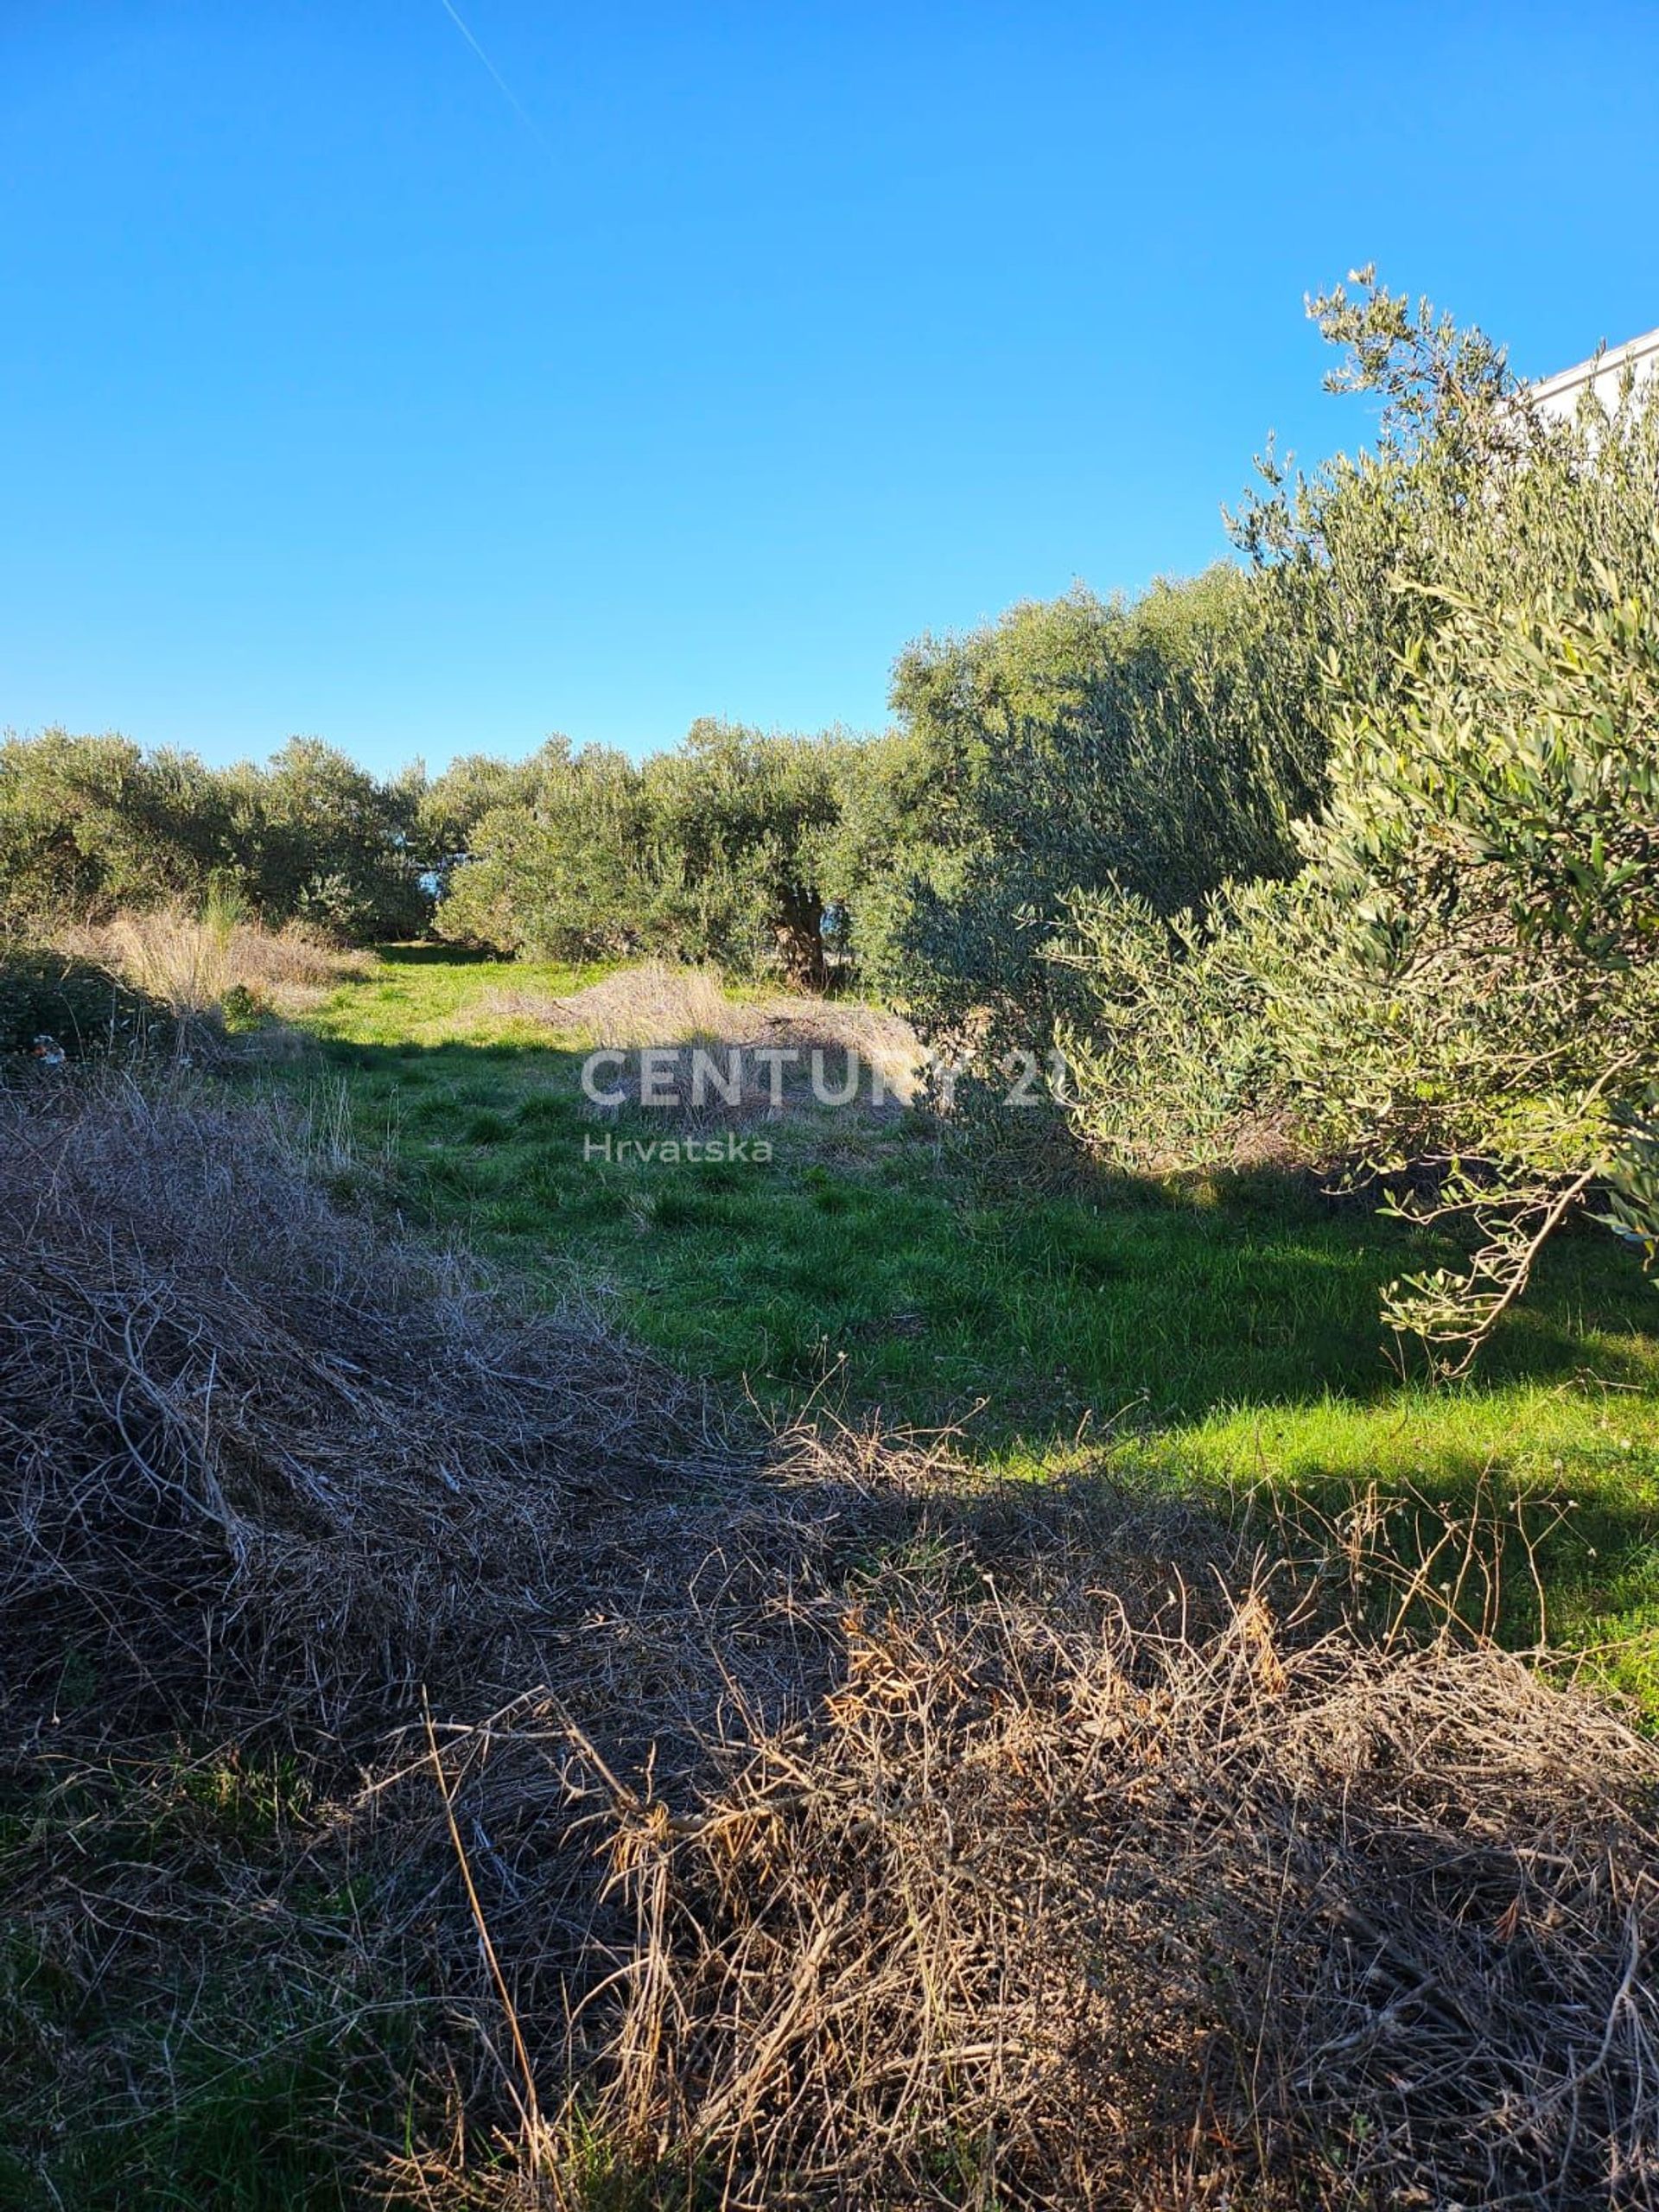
(741, 821)
(1462, 976)
(76, 1003)
(712, 853)
(1167, 1056)
(1078, 748)
(90, 826)
(561, 869)
(91, 823)
(1479, 929)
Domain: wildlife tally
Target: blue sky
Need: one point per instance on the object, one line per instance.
(341, 391)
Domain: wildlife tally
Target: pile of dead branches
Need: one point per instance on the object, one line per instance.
(256, 1448)
(1067, 1901)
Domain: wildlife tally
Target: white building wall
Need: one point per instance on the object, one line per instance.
(1559, 395)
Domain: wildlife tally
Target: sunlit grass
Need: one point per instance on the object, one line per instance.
(1224, 1338)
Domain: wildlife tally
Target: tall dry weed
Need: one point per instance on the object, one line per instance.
(657, 1004)
(191, 962)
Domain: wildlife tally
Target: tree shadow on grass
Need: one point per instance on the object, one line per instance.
(436, 956)
(884, 1272)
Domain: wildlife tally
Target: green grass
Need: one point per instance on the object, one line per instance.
(1219, 1338)
(1223, 1334)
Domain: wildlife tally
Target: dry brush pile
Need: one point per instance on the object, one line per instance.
(191, 963)
(794, 1824)
(1056, 1907)
(784, 1046)
(275, 1477)
(260, 1451)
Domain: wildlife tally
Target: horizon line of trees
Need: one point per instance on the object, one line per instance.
(90, 826)
(1066, 745)
(1357, 840)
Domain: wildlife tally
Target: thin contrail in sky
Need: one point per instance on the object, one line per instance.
(507, 92)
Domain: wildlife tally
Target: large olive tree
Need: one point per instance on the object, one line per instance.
(1461, 978)
(1153, 747)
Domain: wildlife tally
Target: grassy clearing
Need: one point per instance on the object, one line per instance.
(845, 1825)
(1223, 1335)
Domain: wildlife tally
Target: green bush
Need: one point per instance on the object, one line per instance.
(90, 826)
(75, 1003)
(556, 862)
(714, 852)
(1462, 978)
(1080, 748)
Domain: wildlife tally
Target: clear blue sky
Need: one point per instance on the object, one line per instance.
(343, 392)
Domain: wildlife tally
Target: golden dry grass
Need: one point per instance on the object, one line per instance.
(191, 963)
(1067, 1901)
(665, 1006)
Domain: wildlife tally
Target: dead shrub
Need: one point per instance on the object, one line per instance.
(1054, 1905)
(657, 1005)
(258, 1449)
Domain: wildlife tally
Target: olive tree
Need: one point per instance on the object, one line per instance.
(1460, 979)
(741, 820)
(1149, 749)
(559, 860)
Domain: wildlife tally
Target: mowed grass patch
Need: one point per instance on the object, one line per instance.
(1224, 1335)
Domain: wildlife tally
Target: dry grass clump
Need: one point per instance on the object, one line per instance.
(255, 1449)
(656, 1003)
(662, 1006)
(882, 1039)
(191, 963)
(1065, 1900)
